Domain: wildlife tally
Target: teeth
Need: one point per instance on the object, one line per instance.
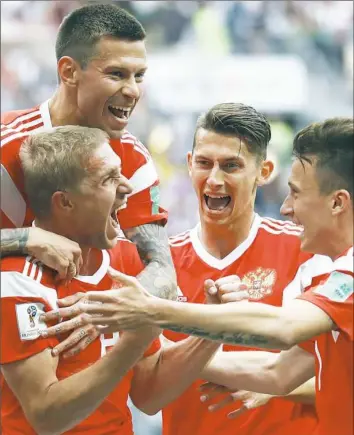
(217, 196)
(123, 109)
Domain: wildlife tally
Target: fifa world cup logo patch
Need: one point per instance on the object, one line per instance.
(260, 282)
(32, 312)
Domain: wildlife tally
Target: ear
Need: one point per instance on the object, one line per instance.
(68, 70)
(266, 170)
(340, 201)
(189, 162)
(61, 202)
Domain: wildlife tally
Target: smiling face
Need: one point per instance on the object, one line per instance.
(92, 216)
(305, 205)
(225, 176)
(109, 87)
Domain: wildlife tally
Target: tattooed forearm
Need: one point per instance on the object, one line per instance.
(13, 241)
(159, 276)
(247, 340)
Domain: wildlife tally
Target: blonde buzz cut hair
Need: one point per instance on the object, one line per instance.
(56, 160)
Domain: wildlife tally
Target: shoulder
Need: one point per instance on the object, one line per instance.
(280, 228)
(182, 249)
(125, 257)
(25, 276)
(180, 240)
(134, 145)
(344, 263)
(17, 124)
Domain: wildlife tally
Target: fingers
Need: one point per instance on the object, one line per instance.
(213, 391)
(76, 322)
(216, 406)
(122, 278)
(67, 312)
(209, 287)
(105, 329)
(77, 341)
(230, 279)
(70, 300)
(237, 412)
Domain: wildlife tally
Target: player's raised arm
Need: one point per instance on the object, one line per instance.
(53, 250)
(159, 276)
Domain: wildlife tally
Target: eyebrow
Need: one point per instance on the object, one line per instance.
(112, 172)
(293, 186)
(223, 159)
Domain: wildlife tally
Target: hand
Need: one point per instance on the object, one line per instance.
(123, 307)
(226, 289)
(84, 333)
(56, 252)
(250, 400)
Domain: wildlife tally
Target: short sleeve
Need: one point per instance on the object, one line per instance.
(23, 300)
(154, 347)
(335, 297)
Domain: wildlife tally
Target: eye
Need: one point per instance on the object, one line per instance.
(116, 74)
(202, 163)
(140, 77)
(230, 166)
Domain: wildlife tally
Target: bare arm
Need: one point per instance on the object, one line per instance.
(306, 393)
(158, 380)
(277, 374)
(250, 325)
(53, 406)
(53, 250)
(14, 241)
(159, 276)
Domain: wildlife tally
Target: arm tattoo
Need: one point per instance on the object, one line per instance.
(159, 276)
(13, 241)
(247, 340)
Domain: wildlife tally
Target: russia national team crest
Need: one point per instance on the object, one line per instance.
(260, 282)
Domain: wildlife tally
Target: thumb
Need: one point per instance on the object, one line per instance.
(120, 277)
(210, 287)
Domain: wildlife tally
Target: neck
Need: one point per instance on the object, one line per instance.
(221, 240)
(62, 110)
(340, 241)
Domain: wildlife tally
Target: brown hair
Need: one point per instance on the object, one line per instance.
(56, 160)
(330, 145)
(235, 119)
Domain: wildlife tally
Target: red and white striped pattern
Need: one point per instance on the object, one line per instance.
(20, 126)
(276, 226)
(129, 139)
(180, 239)
(33, 269)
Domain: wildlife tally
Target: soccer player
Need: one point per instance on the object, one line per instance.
(321, 200)
(75, 187)
(227, 164)
(101, 62)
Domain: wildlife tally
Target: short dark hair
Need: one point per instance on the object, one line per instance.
(80, 31)
(236, 119)
(329, 145)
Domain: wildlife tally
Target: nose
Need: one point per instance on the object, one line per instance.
(215, 178)
(131, 89)
(124, 187)
(286, 208)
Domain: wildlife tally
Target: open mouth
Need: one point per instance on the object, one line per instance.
(114, 220)
(120, 112)
(217, 202)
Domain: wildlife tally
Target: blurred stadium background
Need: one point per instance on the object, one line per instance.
(292, 60)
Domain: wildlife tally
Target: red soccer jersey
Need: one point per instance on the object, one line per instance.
(267, 260)
(137, 165)
(28, 289)
(333, 293)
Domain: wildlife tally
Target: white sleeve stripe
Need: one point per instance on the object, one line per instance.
(22, 118)
(12, 137)
(12, 203)
(15, 284)
(143, 178)
(21, 128)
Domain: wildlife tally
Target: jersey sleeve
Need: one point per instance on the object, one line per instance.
(143, 205)
(154, 347)
(23, 300)
(335, 295)
(14, 209)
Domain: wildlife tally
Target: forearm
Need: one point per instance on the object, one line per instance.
(71, 400)
(179, 365)
(14, 241)
(159, 276)
(247, 370)
(250, 325)
(306, 393)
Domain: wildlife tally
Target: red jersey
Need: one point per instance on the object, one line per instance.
(28, 289)
(137, 165)
(333, 293)
(268, 261)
